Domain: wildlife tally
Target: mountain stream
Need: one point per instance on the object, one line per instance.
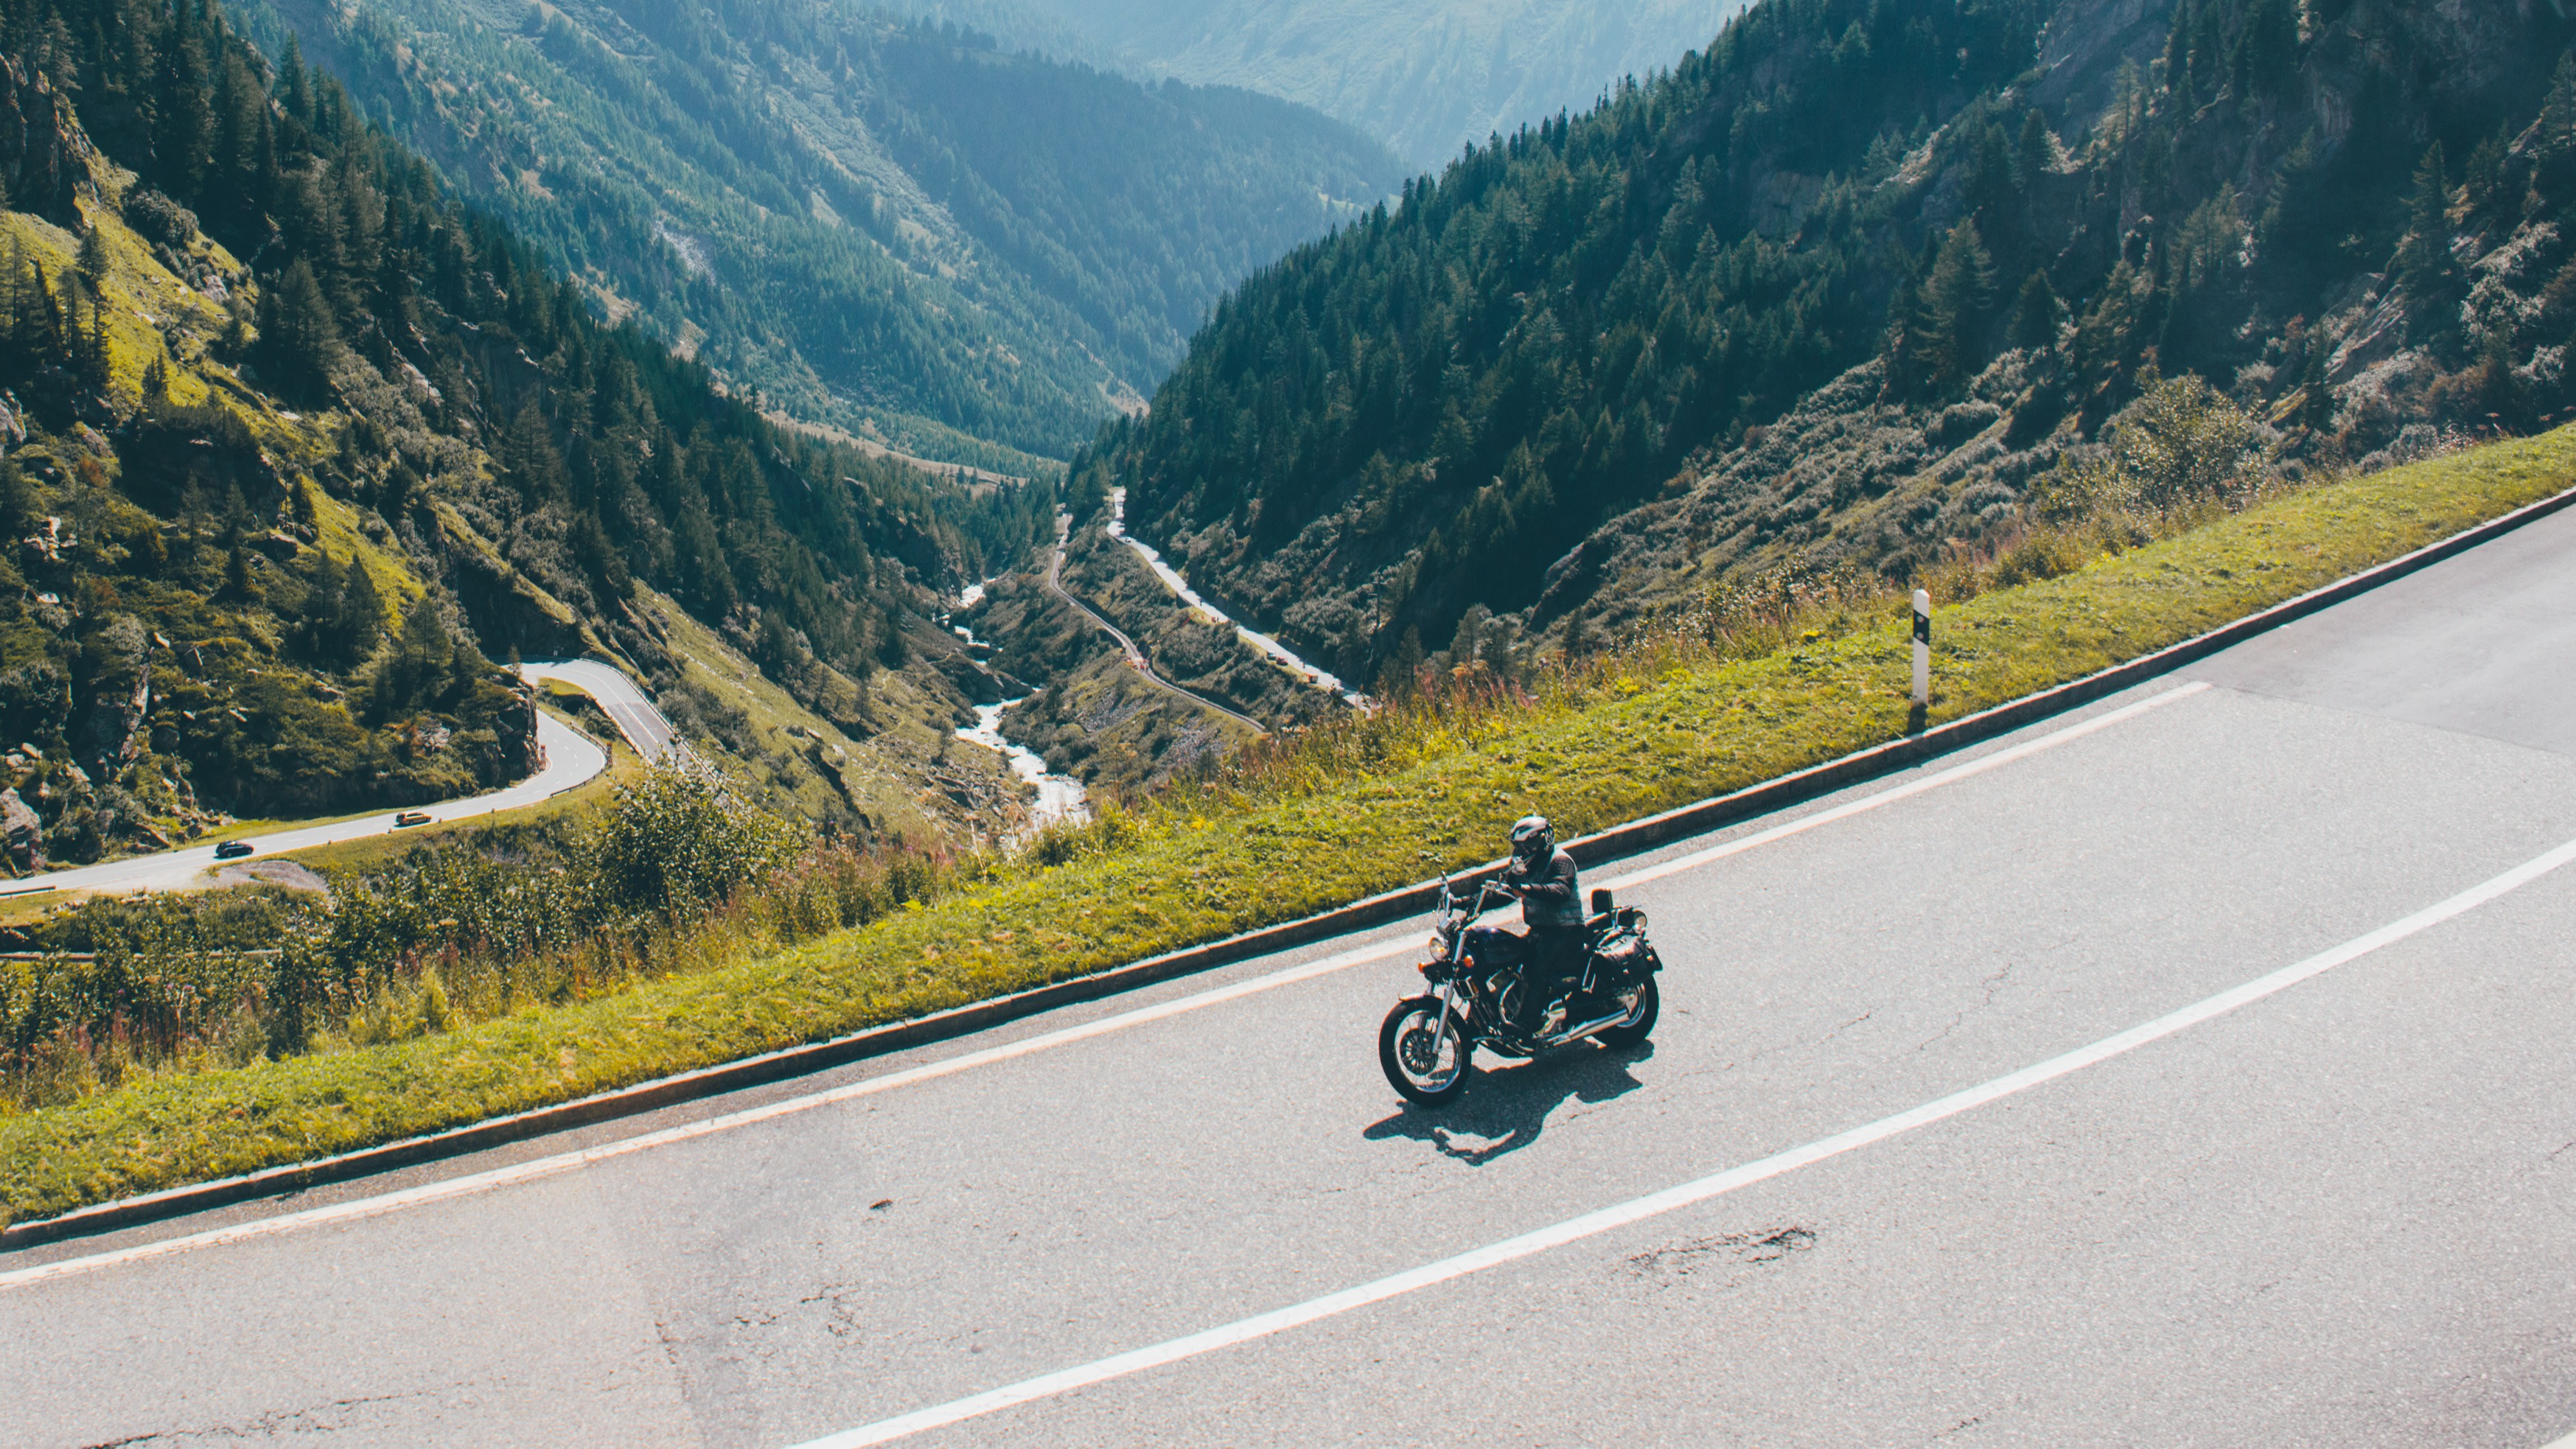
(1060, 797)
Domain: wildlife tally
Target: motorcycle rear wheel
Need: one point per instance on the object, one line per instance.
(1419, 1063)
(1640, 1022)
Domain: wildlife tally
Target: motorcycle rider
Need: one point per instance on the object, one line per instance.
(1545, 880)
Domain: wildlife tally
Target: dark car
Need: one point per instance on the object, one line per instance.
(232, 850)
(411, 817)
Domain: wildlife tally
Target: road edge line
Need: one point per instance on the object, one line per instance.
(1633, 838)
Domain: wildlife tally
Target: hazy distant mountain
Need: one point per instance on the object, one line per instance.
(892, 227)
(1425, 76)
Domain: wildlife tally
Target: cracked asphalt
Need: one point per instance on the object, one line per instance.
(2342, 1215)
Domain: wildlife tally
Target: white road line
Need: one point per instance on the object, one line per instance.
(1954, 774)
(542, 1167)
(1671, 1199)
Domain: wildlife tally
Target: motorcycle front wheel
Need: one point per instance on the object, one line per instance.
(1423, 1062)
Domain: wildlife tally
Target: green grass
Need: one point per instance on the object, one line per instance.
(1658, 737)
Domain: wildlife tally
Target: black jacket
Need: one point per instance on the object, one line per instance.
(1551, 898)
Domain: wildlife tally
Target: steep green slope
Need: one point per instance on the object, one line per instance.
(279, 516)
(1992, 226)
(897, 230)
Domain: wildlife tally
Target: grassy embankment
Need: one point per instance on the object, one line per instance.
(1671, 730)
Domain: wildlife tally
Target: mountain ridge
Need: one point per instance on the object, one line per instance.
(1426, 78)
(294, 446)
(900, 230)
(1992, 242)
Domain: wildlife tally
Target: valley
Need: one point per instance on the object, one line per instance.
(904, 233)
(711, 562)
(1428, 78)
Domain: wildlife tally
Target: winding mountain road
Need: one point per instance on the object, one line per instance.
(1135, 656)
(2188, 1070)
(1262, 644)
(571, 759)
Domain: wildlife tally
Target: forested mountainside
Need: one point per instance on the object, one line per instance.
(895, 229)
(1857, 286)
(1425, 78)
(294, 445)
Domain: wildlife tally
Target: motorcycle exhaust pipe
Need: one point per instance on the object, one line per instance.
(1580, 1032)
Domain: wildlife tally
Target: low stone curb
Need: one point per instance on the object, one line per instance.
(1633, 838)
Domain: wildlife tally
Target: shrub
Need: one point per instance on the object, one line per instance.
(157, 218)
(677, 874)
(2179, 444)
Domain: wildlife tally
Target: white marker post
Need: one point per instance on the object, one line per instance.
(1922, 647)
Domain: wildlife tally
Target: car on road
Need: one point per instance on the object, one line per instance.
(233, 849)
(411, 817)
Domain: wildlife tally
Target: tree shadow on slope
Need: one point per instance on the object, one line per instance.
(1505, 1111)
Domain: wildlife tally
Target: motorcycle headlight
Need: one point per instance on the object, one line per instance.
(1439, 946)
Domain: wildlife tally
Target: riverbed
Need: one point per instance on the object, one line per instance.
(1060, 797)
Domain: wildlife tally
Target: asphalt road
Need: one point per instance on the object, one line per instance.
(1136, 659)
(646, 731)
(2335, 1212)
(1269, 647)
(571, 758)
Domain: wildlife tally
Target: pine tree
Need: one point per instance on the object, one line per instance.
(293, 89)
(2423, 261)
(2267, 48)
(299, 341)
(84, 332)
(2035, 314)
(1956, 298)
(1995, 199)
(2179, 78)
(2316, 402)
(325, 604)
(194, 522)
(237, 579)
(1401, 675)
(408, 677)
(93, 262)
(2036, 153)
(527, 459)
(184, 133)
(362, 615)
(17, 499)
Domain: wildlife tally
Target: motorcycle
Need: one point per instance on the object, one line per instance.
(1475, 974)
